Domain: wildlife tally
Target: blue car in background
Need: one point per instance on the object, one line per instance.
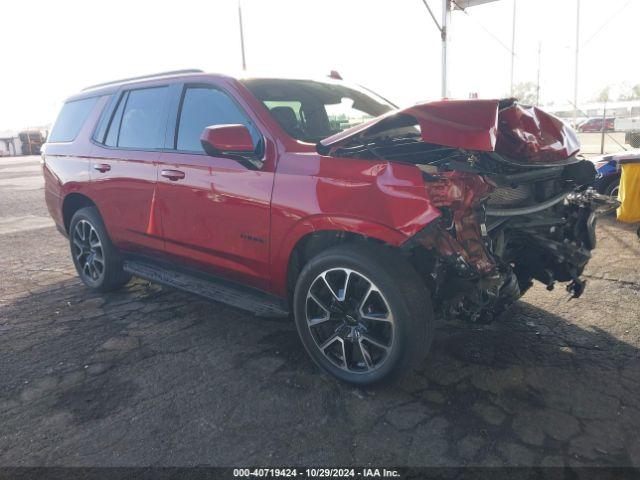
(608, 168)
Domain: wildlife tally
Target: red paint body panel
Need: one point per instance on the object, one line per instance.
(67, 167)
(468, 124)
(532, 135)
(382, 200)
(228, 138)
(124, 196)
(526, 133)
(219, 216)
(63, 175)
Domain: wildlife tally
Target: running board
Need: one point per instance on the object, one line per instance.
(259, 303)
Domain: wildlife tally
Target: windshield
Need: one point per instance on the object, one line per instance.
(309, 110)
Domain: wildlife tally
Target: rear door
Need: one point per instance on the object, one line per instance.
(215, 211)
(124, 166)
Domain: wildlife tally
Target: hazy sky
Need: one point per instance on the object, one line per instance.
(51, 49)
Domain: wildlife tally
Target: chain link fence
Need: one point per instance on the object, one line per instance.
(608, 128)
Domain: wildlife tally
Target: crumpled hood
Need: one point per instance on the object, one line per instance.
(524, 134)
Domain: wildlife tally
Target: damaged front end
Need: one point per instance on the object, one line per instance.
(485, 251)
(514, 199)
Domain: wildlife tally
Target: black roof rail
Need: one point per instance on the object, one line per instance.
(142, 77)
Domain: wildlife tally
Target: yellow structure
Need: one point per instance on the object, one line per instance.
(629, 193)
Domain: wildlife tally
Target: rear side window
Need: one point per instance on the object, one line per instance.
(203, 107)
(138, 120)
(143, 122)
(70, 120)
(112, 136)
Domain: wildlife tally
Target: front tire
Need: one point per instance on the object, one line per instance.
(96, 259)
(363, 313)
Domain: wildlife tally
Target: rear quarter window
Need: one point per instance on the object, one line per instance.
(70, 120)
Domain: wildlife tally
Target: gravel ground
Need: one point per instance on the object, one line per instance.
(152, 376)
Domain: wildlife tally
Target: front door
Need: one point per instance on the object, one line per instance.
(215, 211)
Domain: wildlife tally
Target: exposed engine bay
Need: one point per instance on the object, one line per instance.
(515, 209)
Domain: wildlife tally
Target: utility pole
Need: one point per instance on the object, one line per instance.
(444, 34)
(575, 75)
(538, 81)
(604, 119)
(244, 63)
(513, 44)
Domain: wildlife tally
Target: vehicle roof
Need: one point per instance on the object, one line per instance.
(184, 75)
(110, 87)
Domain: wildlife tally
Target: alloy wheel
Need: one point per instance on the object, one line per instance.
(88, 251)
(350, 320)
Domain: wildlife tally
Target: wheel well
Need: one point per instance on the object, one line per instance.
(72, 203)
(311, 245)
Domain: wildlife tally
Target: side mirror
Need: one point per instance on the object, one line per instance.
(222, 140)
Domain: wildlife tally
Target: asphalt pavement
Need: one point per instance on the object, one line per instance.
(152, 376)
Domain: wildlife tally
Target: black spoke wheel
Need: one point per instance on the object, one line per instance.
(350, 320)
(363, 313)
(88, 251)
(96, 260)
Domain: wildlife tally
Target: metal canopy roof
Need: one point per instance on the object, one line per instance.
(462, 4)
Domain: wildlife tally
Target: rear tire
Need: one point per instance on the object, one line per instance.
(363, 313)
(97, 261)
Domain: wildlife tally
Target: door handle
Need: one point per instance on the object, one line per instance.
(102, 167)
(172, 175)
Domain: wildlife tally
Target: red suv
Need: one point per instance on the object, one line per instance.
(321, 199)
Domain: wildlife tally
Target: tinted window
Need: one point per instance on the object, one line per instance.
(293, 105)
(103, 123)
(143, 123)
(310, 110)
(70, 120)
(203, 107)
(114, 127)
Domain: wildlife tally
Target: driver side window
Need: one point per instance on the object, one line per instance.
(205, 106)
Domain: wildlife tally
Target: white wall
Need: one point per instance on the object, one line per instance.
(6, 148)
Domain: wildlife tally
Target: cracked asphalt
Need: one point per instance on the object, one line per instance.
(152, 376)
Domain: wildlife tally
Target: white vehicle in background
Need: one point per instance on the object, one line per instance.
(631, 128)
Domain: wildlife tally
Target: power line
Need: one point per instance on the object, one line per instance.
(487, 31)
(606, 23)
